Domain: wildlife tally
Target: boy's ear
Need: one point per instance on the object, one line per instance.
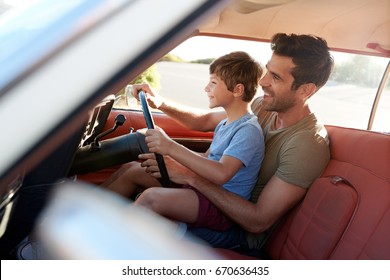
(239, 90)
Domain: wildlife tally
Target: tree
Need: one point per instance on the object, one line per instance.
(358, 70)
(149, 76)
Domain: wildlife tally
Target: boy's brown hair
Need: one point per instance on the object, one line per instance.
(238, 68)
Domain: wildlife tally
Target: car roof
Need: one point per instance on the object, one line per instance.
(355, 26)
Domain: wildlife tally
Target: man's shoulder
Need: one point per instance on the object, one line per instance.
(308, 143)
(307, 136)
(264, 117)
(311, 129)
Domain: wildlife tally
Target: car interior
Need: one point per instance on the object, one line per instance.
(346, 212)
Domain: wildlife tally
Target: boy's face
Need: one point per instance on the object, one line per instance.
(217, 92)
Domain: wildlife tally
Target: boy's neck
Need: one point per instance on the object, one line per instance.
(236, 112)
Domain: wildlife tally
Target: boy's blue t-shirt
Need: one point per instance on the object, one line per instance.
(244, 140)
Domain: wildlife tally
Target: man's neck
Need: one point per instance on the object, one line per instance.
(286, 119)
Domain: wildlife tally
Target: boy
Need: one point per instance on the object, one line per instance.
(234, 157)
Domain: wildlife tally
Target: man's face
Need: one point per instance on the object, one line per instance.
(277, 83)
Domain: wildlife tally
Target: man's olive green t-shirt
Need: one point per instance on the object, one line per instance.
(297, 154)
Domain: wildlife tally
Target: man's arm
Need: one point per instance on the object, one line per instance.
(194, 119)
(275, 200)
(191, 118)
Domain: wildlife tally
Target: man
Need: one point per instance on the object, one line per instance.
(296, 150)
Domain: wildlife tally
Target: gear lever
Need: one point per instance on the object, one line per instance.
(119, 121)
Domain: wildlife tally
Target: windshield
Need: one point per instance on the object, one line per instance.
(43, 26)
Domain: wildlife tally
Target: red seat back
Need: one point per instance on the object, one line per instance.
(346, 212)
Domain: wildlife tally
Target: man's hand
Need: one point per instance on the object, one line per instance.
(154, 100)
(177, 173)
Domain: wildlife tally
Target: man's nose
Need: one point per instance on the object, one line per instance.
(265, 81)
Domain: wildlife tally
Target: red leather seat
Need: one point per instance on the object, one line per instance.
(346, 212)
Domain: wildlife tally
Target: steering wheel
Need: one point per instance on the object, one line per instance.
(164, 180)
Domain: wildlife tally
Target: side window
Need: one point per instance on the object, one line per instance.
(381, 121)
(346, 100)
(181, 82)
(348, 96)
(184, 72)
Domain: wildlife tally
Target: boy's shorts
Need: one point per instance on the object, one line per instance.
(209, 216)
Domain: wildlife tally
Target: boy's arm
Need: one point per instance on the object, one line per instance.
(218, 172)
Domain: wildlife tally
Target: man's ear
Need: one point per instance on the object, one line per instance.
(307, 90)
(239, 90)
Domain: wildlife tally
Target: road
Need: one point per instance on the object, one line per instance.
(184, 82)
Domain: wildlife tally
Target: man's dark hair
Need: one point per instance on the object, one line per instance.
(309, 53)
